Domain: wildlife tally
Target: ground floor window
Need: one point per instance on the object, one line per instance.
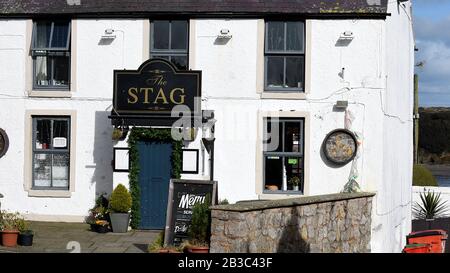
(51, 152)
(283, 155)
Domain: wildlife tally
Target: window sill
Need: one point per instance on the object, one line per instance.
(50, 193)
(283, 95)
(50, 94)
(279, 195)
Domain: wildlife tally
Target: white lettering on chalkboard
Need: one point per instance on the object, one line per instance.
(181, 229)
(189, 200)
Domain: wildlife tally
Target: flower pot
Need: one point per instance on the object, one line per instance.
(9, 238)
(25, 239)
(102, 229)
(197, 249)
(119, 222)
(295, 188)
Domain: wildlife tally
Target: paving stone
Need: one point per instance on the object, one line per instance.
(54, 237)
(111, 250)
(134, 249)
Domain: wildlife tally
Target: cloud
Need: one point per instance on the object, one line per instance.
(428, 30)
(433, 42)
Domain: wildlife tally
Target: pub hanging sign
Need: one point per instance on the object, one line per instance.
(154, 90)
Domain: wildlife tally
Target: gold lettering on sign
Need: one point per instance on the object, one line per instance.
(157, 80)
(162, 96)
(172, 94)
(146, 94)
(132, 92)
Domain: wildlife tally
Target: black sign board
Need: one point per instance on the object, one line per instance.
(183, 195)
(153, 90)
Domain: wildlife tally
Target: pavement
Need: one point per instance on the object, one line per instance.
(78, 238)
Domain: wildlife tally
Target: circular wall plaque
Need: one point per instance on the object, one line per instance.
(4, 142)
(340, 146)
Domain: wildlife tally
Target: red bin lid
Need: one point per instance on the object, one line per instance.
(430, 232)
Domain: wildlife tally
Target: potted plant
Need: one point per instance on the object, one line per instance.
(157, 246)
(120, 205)
(294, 182)
(10, 228)
(25, 233)
(116, 134)
(199, 230)
(99, 217)
(120, 133)
(431, 207)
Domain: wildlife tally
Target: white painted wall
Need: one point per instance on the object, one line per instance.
(392, 217)
(92, 101)
(374, 84)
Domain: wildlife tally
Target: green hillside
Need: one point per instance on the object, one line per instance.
(434, 135)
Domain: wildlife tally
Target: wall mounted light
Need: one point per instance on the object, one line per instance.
(341, 104)
(347, 35)
(109, 34)
(224, 34)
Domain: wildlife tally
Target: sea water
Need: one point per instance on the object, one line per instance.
(443, 180)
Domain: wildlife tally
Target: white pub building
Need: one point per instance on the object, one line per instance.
(330, 81)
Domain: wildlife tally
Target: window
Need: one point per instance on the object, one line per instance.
(51, 55)
(169, 40)
(283, 156)
(51, 152)
(284, 55)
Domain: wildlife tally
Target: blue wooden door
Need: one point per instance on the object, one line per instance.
(154, 176)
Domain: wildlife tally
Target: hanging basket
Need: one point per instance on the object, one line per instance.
(119, 133)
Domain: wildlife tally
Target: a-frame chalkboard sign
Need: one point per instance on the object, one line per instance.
(183, 195)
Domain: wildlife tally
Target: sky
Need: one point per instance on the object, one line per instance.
(431, 19)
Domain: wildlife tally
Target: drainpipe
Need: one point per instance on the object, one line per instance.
(212, 160)
(416, 118)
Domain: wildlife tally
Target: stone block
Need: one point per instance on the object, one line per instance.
(219, 214)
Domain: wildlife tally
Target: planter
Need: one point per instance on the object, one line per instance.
(166, 250)
(101, 229)
(9, 238)
(25, 239)
(197, 249)
(119, 222)
(295, 188)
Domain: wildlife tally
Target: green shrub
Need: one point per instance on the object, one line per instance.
(120, 201)
(200, 223)
(22, 225)
(423, 177)
(157, 244)
(10, 220)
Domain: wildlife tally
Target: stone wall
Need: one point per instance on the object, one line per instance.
(325, 223)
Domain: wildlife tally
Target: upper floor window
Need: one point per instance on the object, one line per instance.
(170, 40)
(50, 50)
(284, 55)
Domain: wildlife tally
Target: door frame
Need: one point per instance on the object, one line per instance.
(158, 135)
